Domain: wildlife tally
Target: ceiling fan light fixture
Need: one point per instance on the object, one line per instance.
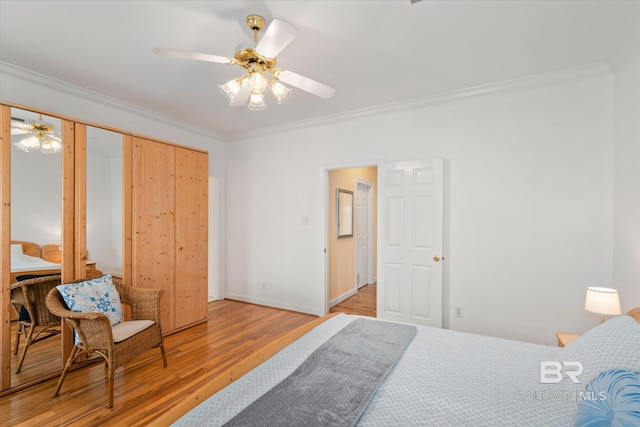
(258, 84)
(230, 89)
(256, 102)
(280, 91)
(258, 59)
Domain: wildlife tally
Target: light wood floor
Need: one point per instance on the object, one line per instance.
(144, 390)
(362, 303)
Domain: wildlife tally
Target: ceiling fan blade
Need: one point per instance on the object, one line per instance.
(278, 36)
(17, 131)
(19, 123)
(163, 51)
(305, 83)
(240, 100)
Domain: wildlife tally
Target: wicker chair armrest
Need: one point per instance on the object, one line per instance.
(94, 329)
(145, 303)
(57, 306)
(17, 293)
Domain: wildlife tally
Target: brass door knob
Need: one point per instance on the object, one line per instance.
(436, 258)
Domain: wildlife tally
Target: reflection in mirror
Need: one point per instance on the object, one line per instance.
(36, 225)
(344, 213)
(104, 200)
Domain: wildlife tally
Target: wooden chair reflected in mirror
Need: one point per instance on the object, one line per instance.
(34, 321)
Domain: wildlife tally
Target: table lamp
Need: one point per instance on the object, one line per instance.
(602, 301)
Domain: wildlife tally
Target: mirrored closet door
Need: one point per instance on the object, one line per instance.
(36, 239)
(104, 201)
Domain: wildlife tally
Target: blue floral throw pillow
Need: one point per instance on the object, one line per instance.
(97, 295)
(611, 399)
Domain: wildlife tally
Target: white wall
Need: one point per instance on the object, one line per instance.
(626, 175)
(528, 202)
(34, 90)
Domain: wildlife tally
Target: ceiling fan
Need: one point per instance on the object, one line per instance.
(36, 135)
(258, 58)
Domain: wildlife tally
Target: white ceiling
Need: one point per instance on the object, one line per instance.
(374, 53)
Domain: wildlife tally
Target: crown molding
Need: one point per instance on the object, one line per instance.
(538, 80)
(32, 77)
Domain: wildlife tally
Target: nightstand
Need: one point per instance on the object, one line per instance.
(564, 338)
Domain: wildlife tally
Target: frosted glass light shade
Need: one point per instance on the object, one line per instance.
(256, 102)
(30, 143)
(230, 89)
(50, 145)
(258, 84)
(280, 91)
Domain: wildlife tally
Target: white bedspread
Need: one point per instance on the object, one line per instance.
(31, 263)
(445, 378)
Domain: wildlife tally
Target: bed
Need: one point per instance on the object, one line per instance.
(27, 259)
(449, 378)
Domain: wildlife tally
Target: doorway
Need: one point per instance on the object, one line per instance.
(351, 260)
(408, 240)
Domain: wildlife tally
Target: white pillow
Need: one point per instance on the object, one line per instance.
(615, 344)
(97, 295)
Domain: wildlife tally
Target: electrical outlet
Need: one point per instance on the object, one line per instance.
(459, 312)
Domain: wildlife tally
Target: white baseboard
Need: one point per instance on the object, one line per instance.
(342, 297)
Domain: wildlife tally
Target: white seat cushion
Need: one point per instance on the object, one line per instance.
(124, 330)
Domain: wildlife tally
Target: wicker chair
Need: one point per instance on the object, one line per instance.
(97, 335)
(35, 322)
(635, 313)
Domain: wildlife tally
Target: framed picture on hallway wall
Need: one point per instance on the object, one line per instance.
(344, 213)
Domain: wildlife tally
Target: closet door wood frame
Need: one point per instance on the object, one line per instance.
(5, 265)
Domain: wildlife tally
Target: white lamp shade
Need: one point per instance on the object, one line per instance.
(602, 301)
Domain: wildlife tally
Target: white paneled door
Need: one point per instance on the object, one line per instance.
(410, 230)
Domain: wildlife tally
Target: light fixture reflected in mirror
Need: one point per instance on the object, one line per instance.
(38, 136)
